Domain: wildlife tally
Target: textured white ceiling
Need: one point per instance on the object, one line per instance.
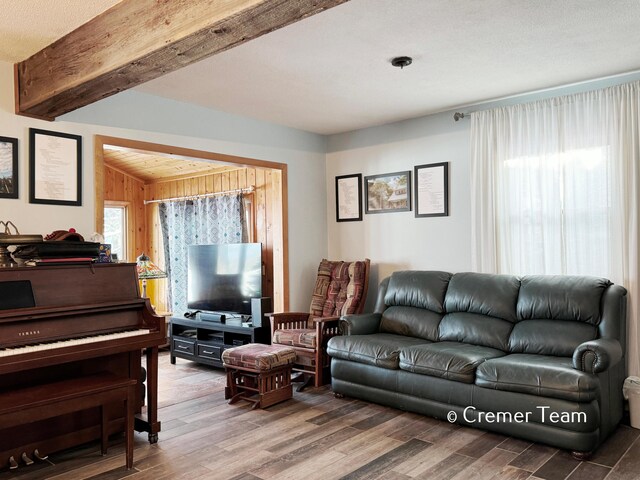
(27, 26)
(330, 73)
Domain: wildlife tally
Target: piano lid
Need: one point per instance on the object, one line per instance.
(67, 285)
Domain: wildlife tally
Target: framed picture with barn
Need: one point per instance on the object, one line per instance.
(389, 192)
(8, 167)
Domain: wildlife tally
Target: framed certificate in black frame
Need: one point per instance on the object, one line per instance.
(55, 168)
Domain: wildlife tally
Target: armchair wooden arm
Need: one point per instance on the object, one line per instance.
(326, 327)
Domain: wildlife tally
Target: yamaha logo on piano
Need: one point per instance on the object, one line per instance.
(28, 333)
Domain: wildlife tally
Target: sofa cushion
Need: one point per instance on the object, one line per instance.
(561, 297)
(550, 337)
(475, 329)
(484, 294)
(411, 322)
(378, 349)
(418, 289)
(295, 337)
(450, 360)
(538, 375)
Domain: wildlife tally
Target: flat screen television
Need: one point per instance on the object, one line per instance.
(224, 278)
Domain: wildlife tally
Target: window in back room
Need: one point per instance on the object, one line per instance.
(115, 229)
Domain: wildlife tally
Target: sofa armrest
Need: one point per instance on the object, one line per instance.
(597, 356)
(363, 324)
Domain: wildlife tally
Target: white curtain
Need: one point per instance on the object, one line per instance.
(555, 190)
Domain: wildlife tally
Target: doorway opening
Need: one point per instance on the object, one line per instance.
(137, 174)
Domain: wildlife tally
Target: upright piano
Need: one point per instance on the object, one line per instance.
(64, 322)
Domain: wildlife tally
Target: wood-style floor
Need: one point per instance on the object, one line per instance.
(316, 436)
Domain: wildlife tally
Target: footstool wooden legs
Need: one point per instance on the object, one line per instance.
(262, 388)
(258, 373)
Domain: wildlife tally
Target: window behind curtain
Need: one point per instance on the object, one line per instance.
(556, 189)
(553, 213)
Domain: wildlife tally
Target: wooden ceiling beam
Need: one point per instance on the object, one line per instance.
(138, 40)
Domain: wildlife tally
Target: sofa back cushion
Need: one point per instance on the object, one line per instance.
(481, 309)
(411, 322)
(484, 294)
(557, 313)
(550, 337)
(539, 314)
(415, 303)
(561, 297)
(475, 329)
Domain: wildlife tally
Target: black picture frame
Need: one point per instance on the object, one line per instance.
(9, 184)
(55, 168)
(382, 192)
(432, 189)
(346, 198)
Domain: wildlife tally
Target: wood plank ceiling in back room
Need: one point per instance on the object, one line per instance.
(151, 167)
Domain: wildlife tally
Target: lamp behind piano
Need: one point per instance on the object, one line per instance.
(147, 270)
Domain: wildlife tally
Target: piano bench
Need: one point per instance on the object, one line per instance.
(35, 403)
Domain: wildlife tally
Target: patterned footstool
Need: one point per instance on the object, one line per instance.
(257, 369)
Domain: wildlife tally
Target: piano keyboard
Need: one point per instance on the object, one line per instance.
(7, 352)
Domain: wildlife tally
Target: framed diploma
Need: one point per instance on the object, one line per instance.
(349, 198)
(8, 167)
(55, 168)
(432, 190)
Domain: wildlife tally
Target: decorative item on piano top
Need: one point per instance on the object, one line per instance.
(67, 235)
(105, 253)
(7, 239)
(59, 247)
(147, 270)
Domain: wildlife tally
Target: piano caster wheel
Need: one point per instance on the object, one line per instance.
(153, 438)
(12, 463)
(37, 455)
(26, 459)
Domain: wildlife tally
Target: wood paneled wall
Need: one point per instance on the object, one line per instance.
(267, 218)
(123, 188)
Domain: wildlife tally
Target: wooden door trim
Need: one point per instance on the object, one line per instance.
(101, 140)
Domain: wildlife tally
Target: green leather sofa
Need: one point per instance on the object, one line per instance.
(536, 357)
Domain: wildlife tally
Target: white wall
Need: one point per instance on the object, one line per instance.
(398, 241)
(144, 117)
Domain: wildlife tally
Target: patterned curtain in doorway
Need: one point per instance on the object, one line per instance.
(201, 221)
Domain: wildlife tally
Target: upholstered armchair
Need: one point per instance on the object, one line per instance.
(341, 289)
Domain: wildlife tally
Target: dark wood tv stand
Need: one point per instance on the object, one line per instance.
(203, 342)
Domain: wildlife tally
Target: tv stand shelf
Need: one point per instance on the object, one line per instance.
(203, 342)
